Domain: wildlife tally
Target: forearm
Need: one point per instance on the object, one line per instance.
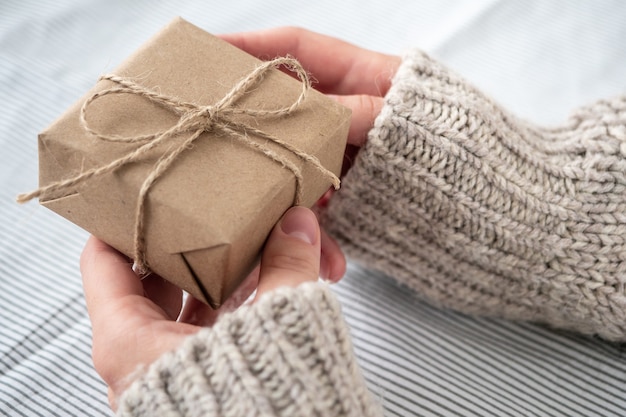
(484, 213)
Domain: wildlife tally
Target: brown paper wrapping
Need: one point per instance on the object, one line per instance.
(209, 215)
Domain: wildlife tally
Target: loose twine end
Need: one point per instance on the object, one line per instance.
(141, 270)
(26, 197)
(194, 119)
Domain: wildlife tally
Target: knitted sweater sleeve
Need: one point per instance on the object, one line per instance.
(479, 211)
(289, 354)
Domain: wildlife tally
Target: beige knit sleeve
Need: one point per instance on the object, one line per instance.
(289, 354)
(487, 214)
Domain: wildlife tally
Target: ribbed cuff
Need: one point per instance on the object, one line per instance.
(289, 354)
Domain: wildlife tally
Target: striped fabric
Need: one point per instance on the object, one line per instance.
(538, 58)
(423, 361)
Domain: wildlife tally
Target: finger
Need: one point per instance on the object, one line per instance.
(292, 252)
(338, 66)
(107, 276)
(333, 261)
(365, 109)
(197, 313)
(164, 294)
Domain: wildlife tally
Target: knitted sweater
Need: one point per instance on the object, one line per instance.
(470, 207)
(484, 213)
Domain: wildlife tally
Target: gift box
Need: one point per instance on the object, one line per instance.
(259, 149)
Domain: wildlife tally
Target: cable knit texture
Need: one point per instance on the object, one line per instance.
(289, 354)
(484, 213)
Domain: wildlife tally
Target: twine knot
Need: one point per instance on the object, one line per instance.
(193, 120)
(203, 118)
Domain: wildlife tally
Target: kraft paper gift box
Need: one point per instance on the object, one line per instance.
(208, 215)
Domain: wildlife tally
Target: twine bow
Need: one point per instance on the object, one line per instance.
(193, 119)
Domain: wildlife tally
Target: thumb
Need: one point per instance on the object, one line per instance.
(292, 252)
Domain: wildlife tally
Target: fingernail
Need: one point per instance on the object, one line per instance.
(300, 223)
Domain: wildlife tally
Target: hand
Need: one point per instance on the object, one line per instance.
(356, 77)
(134, 322)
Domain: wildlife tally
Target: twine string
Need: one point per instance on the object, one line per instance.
(196, 120)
